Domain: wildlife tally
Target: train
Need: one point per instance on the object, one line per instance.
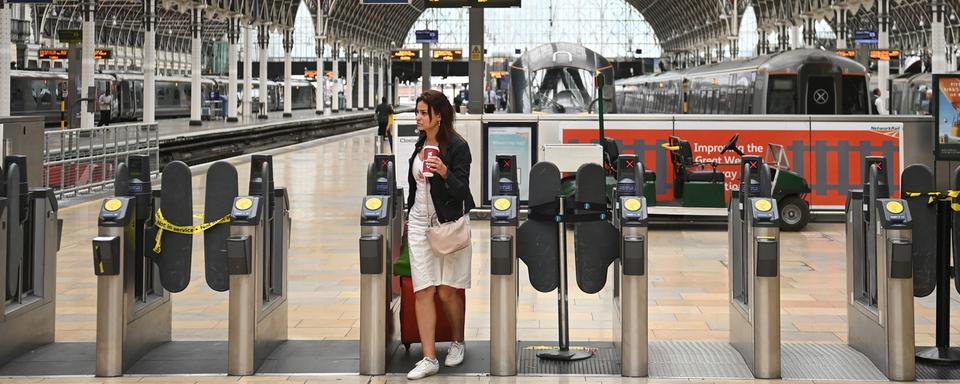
(35, 93)
(802, 81)
(911, 94)
(559, 78)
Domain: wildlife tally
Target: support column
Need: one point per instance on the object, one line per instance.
(841, 28)
(883, 42)
(426, 66)
(761, 48)
(361, 85)
(338, 86)
(288, 75)
(264, 92)
(248, 71)
(476, 67)
(390, 94)
(371, 80)
(796, 39)
(734, 49)
(5, 58)
(938, 41)
(196, 91)
(233, 34)
(149, 61)
(783, 38)
(348, 86)
(87, 63)
(320, 80)
(809, 32)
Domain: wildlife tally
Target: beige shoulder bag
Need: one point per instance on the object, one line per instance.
(447, 238)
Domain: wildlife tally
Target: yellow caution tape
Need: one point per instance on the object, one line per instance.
(164, 225)
(933, 196)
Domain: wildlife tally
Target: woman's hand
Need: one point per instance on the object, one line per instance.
(438, 166)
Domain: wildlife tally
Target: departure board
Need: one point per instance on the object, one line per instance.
(472, 3)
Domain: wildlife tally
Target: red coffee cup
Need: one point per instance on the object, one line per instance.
(428, 152)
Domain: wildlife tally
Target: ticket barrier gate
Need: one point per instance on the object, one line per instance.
(249, 255)
(28, 253)
(134, 311)
(630, 271)
(754, 247)
(381, 230)
(256, 261)
(880, 274)
(504, 264)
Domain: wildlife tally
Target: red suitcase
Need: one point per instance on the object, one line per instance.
(409, 333)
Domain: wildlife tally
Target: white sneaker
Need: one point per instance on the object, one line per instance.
(455, 354)
(424, 368)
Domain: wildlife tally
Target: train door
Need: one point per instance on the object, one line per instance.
(821, 95)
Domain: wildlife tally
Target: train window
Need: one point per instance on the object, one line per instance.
(855, 95)
(782, 95)
(922, 100)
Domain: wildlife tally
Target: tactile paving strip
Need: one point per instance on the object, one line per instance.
(695, 359)
(808, 361)
(606, 361)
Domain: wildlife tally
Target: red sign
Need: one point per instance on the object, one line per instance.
(828, 155)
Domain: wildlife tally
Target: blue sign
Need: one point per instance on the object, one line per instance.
(865, 37)
(427, 36)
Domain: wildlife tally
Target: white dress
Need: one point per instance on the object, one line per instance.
(427, 269)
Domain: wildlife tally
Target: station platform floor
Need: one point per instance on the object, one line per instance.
(325, 178)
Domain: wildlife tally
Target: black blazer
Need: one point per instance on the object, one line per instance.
(451, 196)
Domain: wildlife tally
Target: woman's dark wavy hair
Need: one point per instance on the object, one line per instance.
(437, 102)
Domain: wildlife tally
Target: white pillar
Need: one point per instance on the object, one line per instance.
(841, 28)
(87, 63)
(361, 101)
(264, 91)
(196, 91)
(883, 42)
(796, 38)
(287, 73)
(5, 58)
(337, 86)
(321, 80)
(938, 41)
(233, 34)
(348, 87)
(248, 72)
(382, 64)
(150, 62)
(371, 95)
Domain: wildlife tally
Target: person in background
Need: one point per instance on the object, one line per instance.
(878, 106)
(104, 104)
(384, 112)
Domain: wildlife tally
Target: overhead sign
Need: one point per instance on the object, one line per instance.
(53, 54)
(846, 53)
(498, 74)
(405, 54)
(426, 36)
(447, 54)
(884, 54)
(63, 54)
(865, 37)
(472, 3)
(70, 35)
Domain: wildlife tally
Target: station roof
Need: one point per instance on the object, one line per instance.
(679, 24)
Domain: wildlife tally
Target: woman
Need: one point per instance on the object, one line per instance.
(443, 197)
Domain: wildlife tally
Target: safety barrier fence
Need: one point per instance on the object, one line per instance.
(83, 161)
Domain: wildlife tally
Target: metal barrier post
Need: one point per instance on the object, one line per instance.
(504, 266)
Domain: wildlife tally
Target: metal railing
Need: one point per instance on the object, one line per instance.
(83, 160)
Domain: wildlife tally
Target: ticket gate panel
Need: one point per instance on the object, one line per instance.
(633, 335)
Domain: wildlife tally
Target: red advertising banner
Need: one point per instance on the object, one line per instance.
(828, 154)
